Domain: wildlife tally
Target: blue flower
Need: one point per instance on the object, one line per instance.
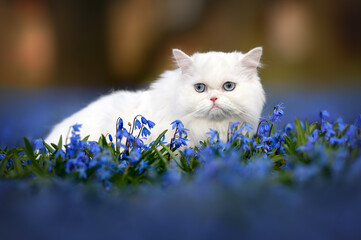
(337, 141)
(110, 137)
(120, 124)
(182, 131)
(82, 173)
(122, 133)
(351, 132)
(39, 145)
(237, 134)
(357, 122)
(177, 123)
(60, 153)
(145, 132)
(131, 140)
(93, 147)
(188, 152)
(214, 134)
(151, 124)
(327, 128)
(233, 125)
(341, 125)
(76, 127)
(104, 173)
(263, 128)
(288, 128)
(10, 161)
(2, 156)
(139, 142)
(122, 165)
(134, 155)
(144, 120)
(142, 166)
(180, 142)
(277, 113)
(137, 124)
(324, 114)
(248, 127)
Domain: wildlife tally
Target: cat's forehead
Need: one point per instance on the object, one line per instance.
(213, 58)
(216, 65)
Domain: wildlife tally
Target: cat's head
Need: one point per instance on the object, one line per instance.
(220, 86)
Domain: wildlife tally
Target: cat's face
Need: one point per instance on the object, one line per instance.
(220, 86)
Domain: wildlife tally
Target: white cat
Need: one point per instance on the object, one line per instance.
(207, 90)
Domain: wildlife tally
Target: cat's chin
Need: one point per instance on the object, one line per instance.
(217, 114)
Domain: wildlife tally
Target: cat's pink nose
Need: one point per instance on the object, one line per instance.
(213, 99)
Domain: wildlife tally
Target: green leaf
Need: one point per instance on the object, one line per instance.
(29, 150)
(4, 162)
(307, 128)
(48, 147)
(18, 168)
(313, 126)
(170, 153)
(159, 137)
(300, 133)
(289, 146)
(154, 145)
(87, 137)
(60, 143)
(161, 156)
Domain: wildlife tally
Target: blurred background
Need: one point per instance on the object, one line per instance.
(57, 56)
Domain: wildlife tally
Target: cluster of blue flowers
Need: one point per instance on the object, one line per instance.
(297, 153)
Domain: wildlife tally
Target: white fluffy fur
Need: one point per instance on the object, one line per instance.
(173, 97)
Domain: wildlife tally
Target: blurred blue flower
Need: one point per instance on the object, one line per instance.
(139, 142)
(277, 113)
(324, 114)
(82, 173)
(188, 152)
(357, 122)
(142, 166)
(10, 161)
(122, 165)
(151, 124)
(144, 120)
(341, 124)
(182, 131)
(137, 124)
(233, 125)
(248, 127)
(214, 136)
(76, 127)
(288, 128)
(145, 132)
(39, 145)
(177, 123)
(120, 124)
(122, 133)
(304, 173)
(337, 141)
(134, 155)
(110, 137)
(263, 128)
(104, 173)
(178, 142)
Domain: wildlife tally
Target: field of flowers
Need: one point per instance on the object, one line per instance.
(297, 181)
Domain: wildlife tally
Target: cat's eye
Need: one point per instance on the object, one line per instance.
(229, 86)
(199, 87)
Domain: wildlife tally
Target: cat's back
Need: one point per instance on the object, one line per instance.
(100, 116)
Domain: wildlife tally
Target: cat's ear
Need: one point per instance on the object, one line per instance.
(252, 58)
(183, 60)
